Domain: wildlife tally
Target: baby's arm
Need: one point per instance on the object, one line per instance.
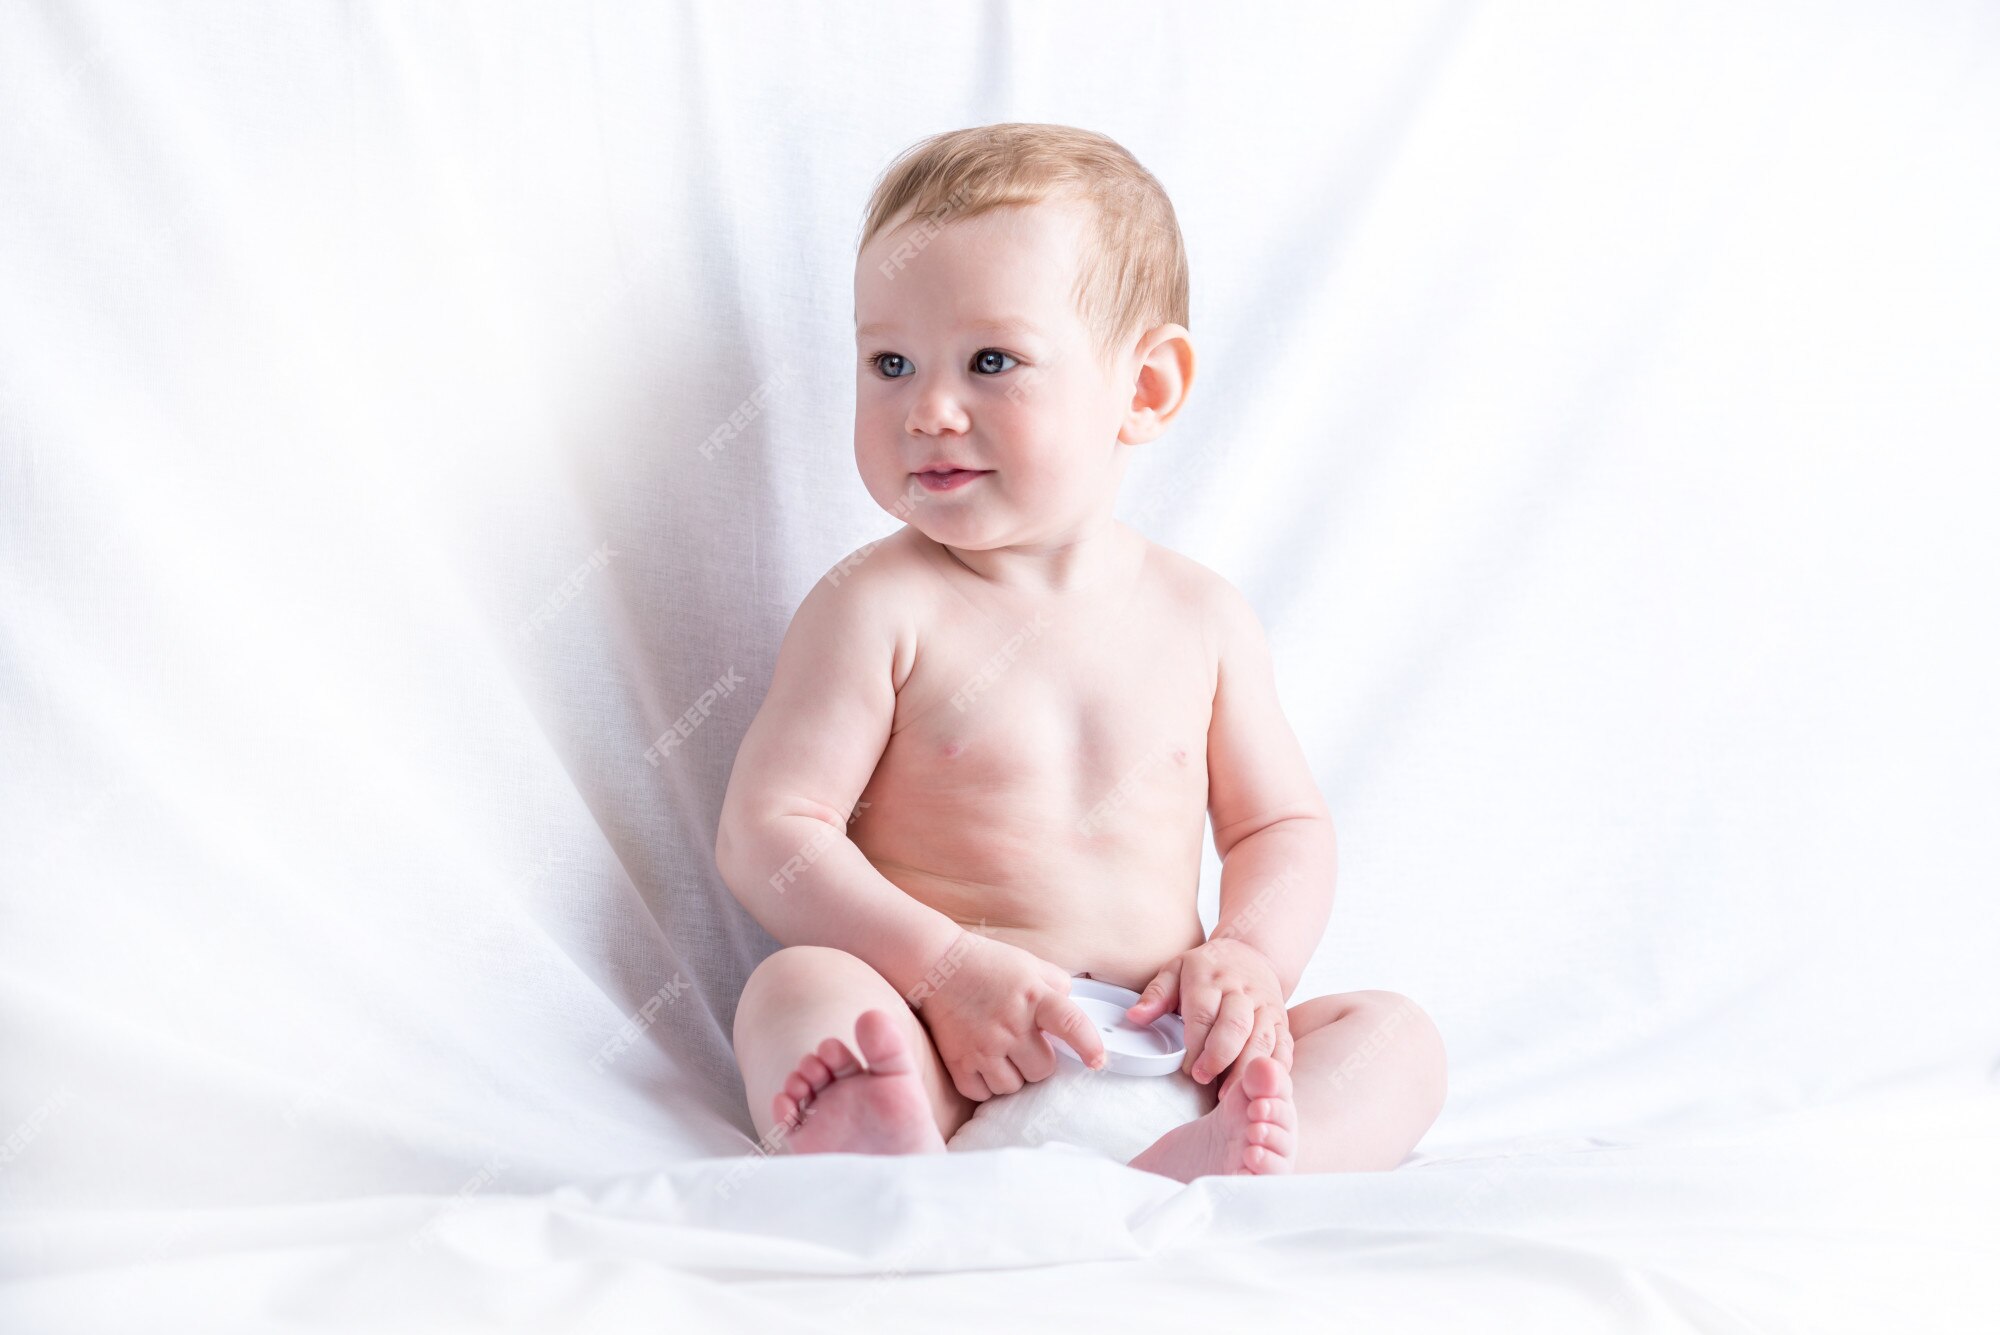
(782, 844)
(1272, 828)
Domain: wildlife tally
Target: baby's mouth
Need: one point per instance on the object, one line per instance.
(949, 479)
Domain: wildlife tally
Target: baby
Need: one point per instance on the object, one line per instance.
(991, 737)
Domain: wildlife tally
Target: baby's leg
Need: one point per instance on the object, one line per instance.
(1370, 1074)
(1367, 1080)
(834, 1059)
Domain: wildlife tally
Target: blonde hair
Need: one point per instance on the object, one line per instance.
(1133, 272)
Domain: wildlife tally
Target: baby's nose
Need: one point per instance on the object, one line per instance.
(936, 412)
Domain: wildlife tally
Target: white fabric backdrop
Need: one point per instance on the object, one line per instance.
(1597, 406)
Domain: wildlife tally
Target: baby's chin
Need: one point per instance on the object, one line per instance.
(977, 528)
(964, 535)
(966, 520)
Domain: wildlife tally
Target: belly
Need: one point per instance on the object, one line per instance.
(1095, 873)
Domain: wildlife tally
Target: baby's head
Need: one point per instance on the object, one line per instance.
(1020, 307)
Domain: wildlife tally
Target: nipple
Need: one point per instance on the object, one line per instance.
(1180, 756)
(952, 748)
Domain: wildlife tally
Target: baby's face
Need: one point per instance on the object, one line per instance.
(971, 354)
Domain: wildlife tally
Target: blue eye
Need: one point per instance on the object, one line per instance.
(895, 366)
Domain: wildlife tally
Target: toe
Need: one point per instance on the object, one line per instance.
(1265, 1078)
(1261, 1160)
(784, 1110)
(1280, 1111)
(881, 1044)
(1270, 1136)
(811, 1074)
(839, 1061)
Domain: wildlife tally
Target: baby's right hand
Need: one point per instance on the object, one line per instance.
(987, 1013)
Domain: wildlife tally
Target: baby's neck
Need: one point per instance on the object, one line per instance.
(1105, 558)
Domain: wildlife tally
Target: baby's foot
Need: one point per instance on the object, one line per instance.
(1250, 1131)
(831, 1103)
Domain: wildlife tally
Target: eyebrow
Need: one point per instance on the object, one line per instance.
(1005, 325)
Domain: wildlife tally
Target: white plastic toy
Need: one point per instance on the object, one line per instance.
(1129, 1049)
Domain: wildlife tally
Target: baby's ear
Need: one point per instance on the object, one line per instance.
(1161, 385)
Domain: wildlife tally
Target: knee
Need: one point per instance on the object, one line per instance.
(1390, 1007)
(790, 969)
(1397, 1013)
(1407, 1024)
(792, 976)
(778, 981)
(1383, 1018)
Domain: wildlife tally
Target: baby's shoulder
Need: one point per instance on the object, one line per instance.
(1199, 593)
(1182, 577)
(873, 572)
(871, 594)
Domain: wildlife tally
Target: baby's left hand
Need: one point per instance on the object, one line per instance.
(1231, 1003)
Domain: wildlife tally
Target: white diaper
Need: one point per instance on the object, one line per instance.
(1112, 1114)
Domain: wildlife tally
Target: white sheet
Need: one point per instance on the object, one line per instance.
(1877, 1215)
(1595, 406)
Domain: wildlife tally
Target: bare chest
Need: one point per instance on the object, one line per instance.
(1037, 743)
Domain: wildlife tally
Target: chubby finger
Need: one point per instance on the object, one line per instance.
(970, 1083)
(1263, 1042)
(1035, 1059)
(1159, 996)
(1263, 1037)
(1199, 1003)
(1235, 1019)
(1067, 1021)
(1282, 1049)
(1001, 1076)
